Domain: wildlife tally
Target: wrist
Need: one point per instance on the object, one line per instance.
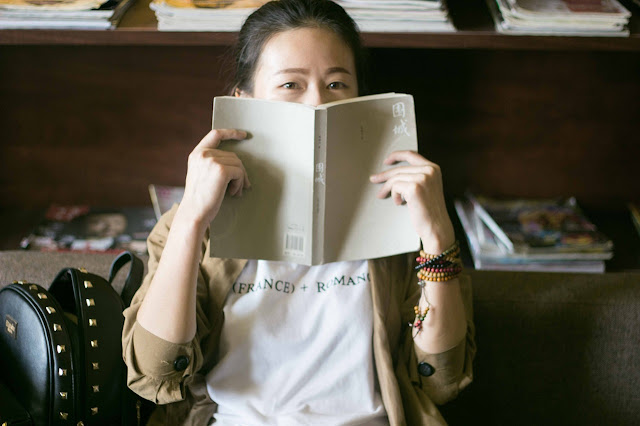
(186, 219)
(437, 244)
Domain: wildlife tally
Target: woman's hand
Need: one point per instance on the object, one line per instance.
(419, 185)
(211, 174)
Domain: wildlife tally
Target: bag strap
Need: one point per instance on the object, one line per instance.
(134, 278)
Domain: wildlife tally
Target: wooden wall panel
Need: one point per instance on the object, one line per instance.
(526, 123)
(98, 124)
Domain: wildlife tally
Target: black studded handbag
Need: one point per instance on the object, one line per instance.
(61, 351)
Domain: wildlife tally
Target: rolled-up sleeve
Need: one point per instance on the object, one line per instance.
(443, 375)
(157, 369)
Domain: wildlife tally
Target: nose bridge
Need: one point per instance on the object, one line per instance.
(315, 95)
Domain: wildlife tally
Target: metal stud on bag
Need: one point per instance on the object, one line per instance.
(85, 291)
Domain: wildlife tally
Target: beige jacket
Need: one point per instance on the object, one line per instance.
(409, 397)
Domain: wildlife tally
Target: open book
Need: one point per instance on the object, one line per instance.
(311, 200)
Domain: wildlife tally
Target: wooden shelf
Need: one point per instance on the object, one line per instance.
(508, 116)
(475, 31)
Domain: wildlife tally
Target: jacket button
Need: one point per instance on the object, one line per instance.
(181, 363)
(425, 369)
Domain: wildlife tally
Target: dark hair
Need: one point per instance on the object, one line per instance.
(282, 15)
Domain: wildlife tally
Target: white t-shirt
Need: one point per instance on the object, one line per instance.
(296, 348)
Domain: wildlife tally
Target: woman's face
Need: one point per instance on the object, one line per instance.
(306, 65)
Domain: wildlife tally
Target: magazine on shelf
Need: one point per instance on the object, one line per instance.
(560, 17)
(370, 16)
(391, 4)
(163, 197)
(203, 15)
(83, 228)
(488, 252)
(311, 201)
(74, 14)
(398, 16)
(541, 226)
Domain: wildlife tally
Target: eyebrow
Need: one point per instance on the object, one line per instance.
(332, 70)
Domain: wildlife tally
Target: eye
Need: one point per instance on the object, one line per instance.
(290, 85)
(337, 85)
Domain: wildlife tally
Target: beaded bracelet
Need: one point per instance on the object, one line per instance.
(451, 254)
(420, 316)
(442, 267)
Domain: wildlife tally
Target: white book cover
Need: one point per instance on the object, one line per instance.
(311, 201)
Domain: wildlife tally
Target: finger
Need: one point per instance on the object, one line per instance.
(384, 176)
(411, 157)
(235, 187)
(214, 137)
(231, 159)
(395, 191)
(236, 180)
(397, 197)
(398, 184)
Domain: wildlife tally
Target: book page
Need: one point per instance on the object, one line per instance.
(360, 135)
(273, 219)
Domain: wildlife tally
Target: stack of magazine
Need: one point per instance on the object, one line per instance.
(550, 235)
(560, 17)
(370, 15)
(82, 228)
(399, 15)
(203, 15)
(62, 14)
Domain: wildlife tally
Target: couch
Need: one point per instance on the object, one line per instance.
(553, 348)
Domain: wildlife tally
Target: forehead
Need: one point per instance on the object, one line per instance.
(310, 48)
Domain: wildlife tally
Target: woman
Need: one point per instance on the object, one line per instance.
(384, 351)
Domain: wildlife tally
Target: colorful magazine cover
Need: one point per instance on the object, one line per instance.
(544, 225)
(88, 229)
